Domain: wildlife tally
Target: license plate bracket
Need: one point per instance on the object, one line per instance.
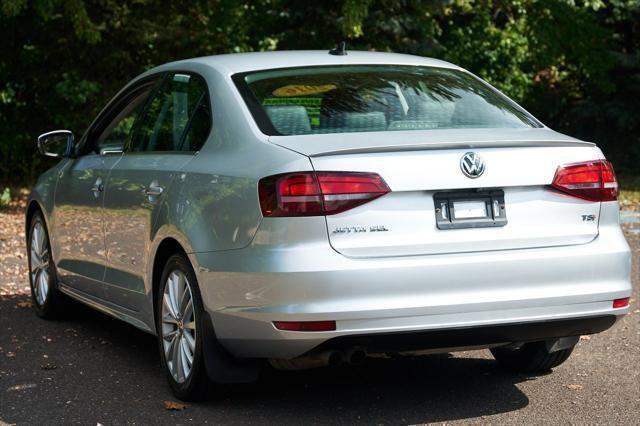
(470, 209)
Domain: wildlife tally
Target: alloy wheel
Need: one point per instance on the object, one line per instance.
(178, 326)
(39, 264)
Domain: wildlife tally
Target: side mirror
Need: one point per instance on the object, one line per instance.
(56, 144)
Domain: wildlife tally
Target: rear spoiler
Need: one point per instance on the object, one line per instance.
(450, 145)
(320, 145)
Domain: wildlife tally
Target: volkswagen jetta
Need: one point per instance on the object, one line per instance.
(312, 208)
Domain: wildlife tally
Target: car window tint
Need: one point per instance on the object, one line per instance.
(199, 127)
(371, 98)
(167, 119)
(116, 134)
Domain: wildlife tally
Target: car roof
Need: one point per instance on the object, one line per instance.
(244, 62)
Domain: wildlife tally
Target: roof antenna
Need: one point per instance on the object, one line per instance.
(339, 50)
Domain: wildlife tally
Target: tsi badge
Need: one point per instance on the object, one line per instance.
(358, 229)
(588, 217)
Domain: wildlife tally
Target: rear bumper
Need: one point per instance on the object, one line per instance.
(296, 276)
(470, 336)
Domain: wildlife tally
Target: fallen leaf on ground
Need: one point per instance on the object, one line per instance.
(25, 304)
(585, 337)
(574, 387)
(174, 406)
(22, 387)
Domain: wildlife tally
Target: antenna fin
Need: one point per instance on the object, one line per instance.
(339, 50)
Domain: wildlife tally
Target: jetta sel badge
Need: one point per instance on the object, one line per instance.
(357, 229)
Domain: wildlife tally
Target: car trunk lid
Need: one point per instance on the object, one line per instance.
(420, 169)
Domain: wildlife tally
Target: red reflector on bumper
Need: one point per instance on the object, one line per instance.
(621, 303)
(305, 325)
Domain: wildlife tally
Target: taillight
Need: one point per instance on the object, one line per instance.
(317, 193)
(590, 180)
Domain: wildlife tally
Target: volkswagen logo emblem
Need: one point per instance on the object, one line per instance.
(472, 165)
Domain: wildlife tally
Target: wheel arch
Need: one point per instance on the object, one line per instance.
(32, 207)
(220, 366)
(166, 248)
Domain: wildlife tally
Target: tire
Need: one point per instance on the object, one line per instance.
(180, 331)
(530, 358)
(48, 301)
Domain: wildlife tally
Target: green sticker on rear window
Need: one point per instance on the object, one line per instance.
(311, 105)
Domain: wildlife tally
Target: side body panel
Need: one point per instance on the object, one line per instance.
(128, 221)
(214, 203)
(209, 201)
(79, 232)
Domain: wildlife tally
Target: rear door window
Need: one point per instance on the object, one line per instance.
(178, 117)
(371, 98)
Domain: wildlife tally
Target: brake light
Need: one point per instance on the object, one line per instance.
(317, 193)
(590, 180)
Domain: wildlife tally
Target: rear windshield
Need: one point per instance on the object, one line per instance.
(374, 98)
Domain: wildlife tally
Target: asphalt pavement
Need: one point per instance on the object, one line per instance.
(91, 369)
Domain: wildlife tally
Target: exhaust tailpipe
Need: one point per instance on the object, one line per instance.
(356, 356)
(317, 360)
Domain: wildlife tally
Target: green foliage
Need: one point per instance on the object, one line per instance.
(574, 63)
(5, 197)
(354, 11)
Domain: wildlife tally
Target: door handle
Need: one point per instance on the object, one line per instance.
(154, 190)
(97, 187)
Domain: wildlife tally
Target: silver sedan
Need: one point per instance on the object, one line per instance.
(312, 208)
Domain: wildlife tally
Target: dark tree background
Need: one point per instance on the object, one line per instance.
(574, 64)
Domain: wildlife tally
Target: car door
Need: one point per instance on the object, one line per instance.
(166, 139)
(80, 193)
